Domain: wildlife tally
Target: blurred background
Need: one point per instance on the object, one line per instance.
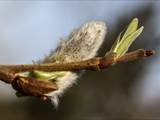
(130, 91)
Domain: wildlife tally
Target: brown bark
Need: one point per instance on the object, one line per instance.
(32, 87)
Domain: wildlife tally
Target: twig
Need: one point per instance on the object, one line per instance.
(30, 86)
(91, 64)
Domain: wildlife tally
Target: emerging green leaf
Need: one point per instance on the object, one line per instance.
(121, 45)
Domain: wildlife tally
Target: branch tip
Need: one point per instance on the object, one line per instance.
(150, 53)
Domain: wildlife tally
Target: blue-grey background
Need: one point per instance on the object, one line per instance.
(30, 29)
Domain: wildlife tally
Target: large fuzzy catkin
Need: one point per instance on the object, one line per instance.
(82, 44)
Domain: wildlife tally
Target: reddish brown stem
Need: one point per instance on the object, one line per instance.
(33, 87)
(91, 64)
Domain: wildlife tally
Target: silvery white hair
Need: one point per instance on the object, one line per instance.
(82, 44)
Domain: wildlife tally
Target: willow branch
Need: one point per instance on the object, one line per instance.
(7, 71)
(29, 86)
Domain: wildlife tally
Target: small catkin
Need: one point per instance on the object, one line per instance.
(82, 44)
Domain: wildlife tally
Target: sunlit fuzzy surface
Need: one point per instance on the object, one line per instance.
(82, 44)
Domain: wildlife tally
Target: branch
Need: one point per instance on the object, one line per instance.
(32, 87)
(8, 72)
(96, 63)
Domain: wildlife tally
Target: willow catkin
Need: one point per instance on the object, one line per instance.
(82, 44)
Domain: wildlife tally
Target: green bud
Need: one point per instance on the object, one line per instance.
(123, 42)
